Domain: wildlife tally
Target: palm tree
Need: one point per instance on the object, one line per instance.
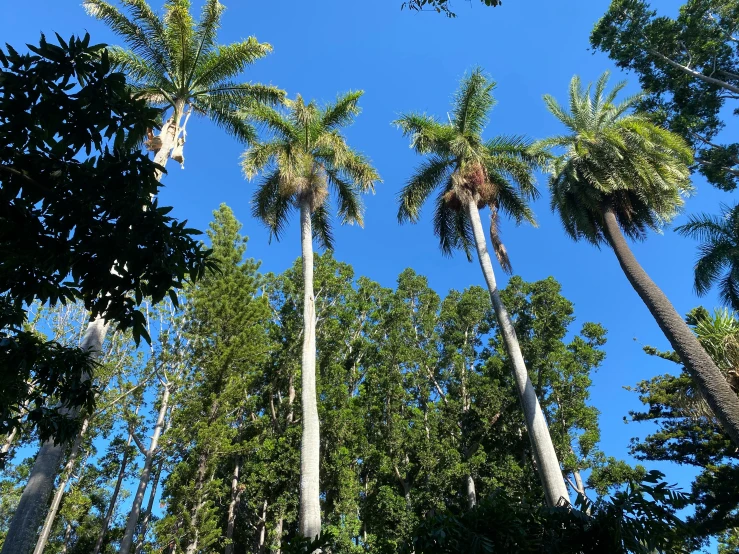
(619, 176)
(176, 64)
(718, 253)
(472, 174)
(305, 157)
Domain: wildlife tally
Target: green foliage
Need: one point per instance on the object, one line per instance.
(440, 6)
(615, 158)
(717, 263)
(305, 156)
(640, 519)
(78, 219)
(689, 68)
(174, 60)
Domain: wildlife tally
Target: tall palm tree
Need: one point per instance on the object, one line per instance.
(306, 157)
(619, 176)
(719, 253)
(470, 174)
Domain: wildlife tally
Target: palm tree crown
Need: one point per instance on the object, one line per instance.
(497, 172)
(175, 61)
(718, 259)
(614, 157)
(305, 156)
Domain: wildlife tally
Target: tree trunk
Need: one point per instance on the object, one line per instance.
(149, 508)
(547, 464)
(713, 386)
(232, 506)
(67, 536)
(471, 493)
(113, 499)
(133, 517)
(57, 500)
(262, 530)
(310, 507)
(32, 505)
(278, 534)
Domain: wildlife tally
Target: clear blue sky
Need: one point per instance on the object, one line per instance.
(412, 61)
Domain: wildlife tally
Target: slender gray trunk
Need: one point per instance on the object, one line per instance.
(133, 516)
(278, 534)
(67, 536)
(149, 507)
(471, 493)
(233, 504)
(547, 463)
(32, 505)
(310, 506)
(713, 385)
(57, 500)
(8, 441)
(263, 529)
(113, 499)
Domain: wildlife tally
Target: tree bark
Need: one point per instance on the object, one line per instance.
(232, 506)
(149, 508)
(310, 508)
(547, 463)
(32, 505)
(57, 500)
(471, 493)
(113, 499)
(713, 386)
(133, 516)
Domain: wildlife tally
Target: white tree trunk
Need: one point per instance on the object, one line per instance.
(32, 505)
(547, 463)
(133, 516)
(57, 500)
(310, 506)
(471, 493)
(233, 504)
(150, 506)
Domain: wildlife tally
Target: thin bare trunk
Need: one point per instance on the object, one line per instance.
(8, 442)
(310, 506)
(713, 385)
(149, 508)
(547, 463)
(262, 529)
(57, 500)
(32, 505)
(114, 498)
(471, 493)
(278, 534)
(232, 506)
(133, 516)
(67, 536)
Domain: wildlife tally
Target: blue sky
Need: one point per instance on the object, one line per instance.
(412, 61)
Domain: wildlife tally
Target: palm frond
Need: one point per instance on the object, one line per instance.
(271, 207)
(223, 115)
(243, 95)
(429, 175)
(321, 225)
(472, 102)
(205, 32)
(342, 112)
(261, 155)
(145, 43)
(350, 205)
(226, 62)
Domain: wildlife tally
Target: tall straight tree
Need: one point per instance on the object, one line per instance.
(619, 176)
(305, 156)
(472, 174)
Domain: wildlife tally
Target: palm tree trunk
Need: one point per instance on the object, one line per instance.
(713, 386)
(149, 507)
(32, 505)
(235, 497)
(310, 507)
(57, 500)
(547, 463)
(133, 516)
